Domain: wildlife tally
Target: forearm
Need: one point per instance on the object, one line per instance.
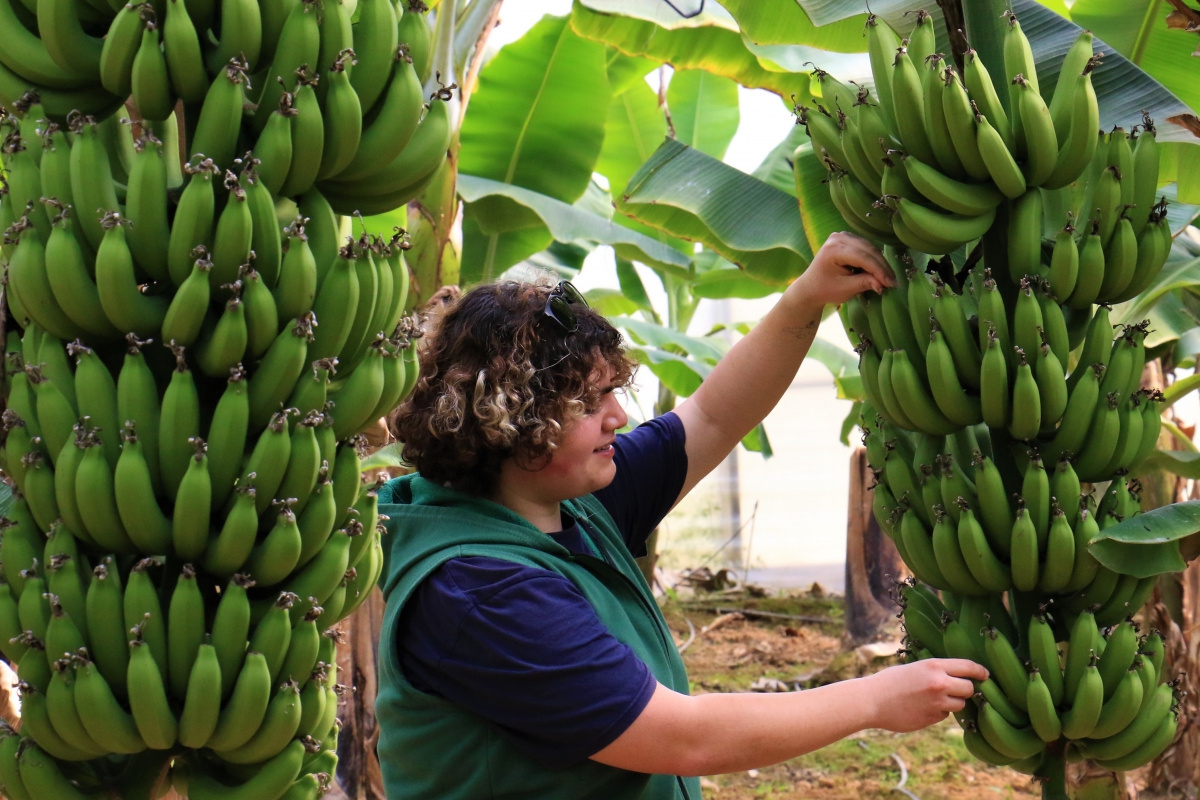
(752, 377)
(716, 733)
(734, 732)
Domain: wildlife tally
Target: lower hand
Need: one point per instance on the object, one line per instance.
(913, 696)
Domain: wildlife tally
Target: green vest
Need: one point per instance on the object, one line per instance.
(432, 749)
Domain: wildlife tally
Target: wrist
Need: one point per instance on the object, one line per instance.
(801, 302)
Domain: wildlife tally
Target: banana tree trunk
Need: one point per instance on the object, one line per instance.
(359, 774)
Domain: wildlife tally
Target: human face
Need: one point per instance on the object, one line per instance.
(583, 461)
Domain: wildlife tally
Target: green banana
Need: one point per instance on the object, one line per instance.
(133, 486)
(156, 722)
(149, 81)
(1042, 713)
(243, 713)
(102, 715)
(143, 610)
(124, 305)
(1026, 418)
(200, 713)
(1060, 553)
(194, 218)
(1043, 654)
(230, 629)
(278, 371)
(223, 347)
(1037, 129)
(1087, 702)
(262, 316)
(227, 436)
(297, 287)
(276, 556)
(106, 624)
(342, 114)
(231, 547)
(217, 128)
(1002, 167)
(180, 422)
(393, 124)
(241, 36)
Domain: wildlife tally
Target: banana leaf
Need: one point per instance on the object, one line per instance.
(704, 110)
(562, 222)
(706, 349)
(693, 196)
(709, 44)
(680, 374)
(1185, 463)
(1149, 544)
(535, 121)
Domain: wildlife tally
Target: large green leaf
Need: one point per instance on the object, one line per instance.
(1137, 29)
(693, 196)
(718, 284)
(776, 168)
(820, 216)
(633, 130)
(1148, 544)
(537, 117)
(784, 22)
(709, 349)
(704, 110)
(536, 121)
(1179, 462)
(561, 221)
(681, 375)
(719, 49)
(624, 71)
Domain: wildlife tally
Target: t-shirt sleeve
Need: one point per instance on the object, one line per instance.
(651, 468)
(522, 648)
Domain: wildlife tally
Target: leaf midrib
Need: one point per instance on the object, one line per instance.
(537, 97)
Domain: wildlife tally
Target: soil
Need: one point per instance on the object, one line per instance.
(741, 653)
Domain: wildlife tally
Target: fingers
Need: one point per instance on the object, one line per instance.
(862, 254)
(868, 283)
(960, 688)
(963, 668)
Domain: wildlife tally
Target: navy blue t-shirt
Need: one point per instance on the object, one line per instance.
(522, 647)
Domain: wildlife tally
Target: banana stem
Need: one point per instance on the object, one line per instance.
(1053, 774)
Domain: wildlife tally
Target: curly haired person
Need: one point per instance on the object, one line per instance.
(522, 653)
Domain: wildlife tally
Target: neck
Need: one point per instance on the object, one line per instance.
(542, 514)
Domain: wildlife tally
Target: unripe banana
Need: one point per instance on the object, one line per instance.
(148, 697)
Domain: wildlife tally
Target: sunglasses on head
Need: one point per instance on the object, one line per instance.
(559, 302)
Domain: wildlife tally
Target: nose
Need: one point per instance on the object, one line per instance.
(615, 417)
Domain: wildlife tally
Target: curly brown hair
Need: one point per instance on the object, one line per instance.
(499, 379)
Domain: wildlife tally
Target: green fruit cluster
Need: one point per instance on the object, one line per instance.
(1101, 689)
(935, 361)
(194, 345)
(337, 103)
(1003, 410)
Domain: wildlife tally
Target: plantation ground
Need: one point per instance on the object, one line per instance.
(737, 652)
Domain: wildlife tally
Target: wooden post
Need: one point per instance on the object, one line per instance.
(872, 564)
(358, 762)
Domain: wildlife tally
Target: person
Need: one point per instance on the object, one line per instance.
(522, 653)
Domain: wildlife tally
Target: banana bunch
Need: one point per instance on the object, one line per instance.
(929, 159)
(961, 526)
(188, 373)
(1098, 687)
(934, 361)
(337, 101)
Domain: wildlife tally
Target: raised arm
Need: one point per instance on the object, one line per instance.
(748, 382)
(714, 733)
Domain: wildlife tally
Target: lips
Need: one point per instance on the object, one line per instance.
(606, 449)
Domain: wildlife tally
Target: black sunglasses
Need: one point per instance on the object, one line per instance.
(559, 302)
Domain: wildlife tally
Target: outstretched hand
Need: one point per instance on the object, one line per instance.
(845, 265)
(912, 696)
